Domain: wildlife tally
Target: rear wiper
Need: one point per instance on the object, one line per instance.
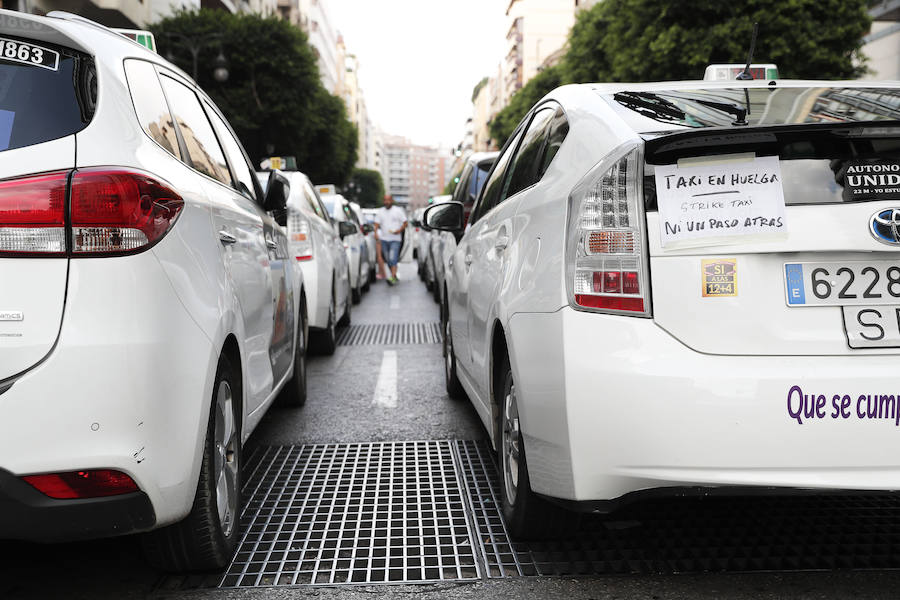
(650, 105)
(739, 112)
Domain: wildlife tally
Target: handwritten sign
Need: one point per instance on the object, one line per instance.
(704, 202)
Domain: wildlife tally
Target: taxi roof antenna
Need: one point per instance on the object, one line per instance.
(745, 74)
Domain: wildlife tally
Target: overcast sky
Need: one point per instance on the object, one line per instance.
(420, 59)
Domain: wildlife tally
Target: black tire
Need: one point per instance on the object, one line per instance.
(203, 540)
(527, 515)
(326, 339)
(356, 294)
(293, 393)
(436, 291)
(451, 381)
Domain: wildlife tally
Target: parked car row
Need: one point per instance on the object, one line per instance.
(157, 295)
(680, 288)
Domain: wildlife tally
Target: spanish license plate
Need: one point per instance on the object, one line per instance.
(848, 283)
(872, 326)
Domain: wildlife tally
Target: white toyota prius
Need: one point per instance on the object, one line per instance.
(684, 287)
(149, 310)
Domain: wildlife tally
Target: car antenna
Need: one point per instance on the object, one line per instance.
(745, 75)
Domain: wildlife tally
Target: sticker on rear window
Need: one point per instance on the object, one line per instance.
(720, 200)
(29, 54)
(719, 277)
(872, 180)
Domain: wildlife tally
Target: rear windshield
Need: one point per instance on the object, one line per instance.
(46, 92)
(755, 106)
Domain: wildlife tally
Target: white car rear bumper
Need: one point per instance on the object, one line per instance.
(612, 405)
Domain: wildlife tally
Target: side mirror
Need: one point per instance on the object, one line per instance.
(367, 228)
(346, 228)
(446, 216)
(277, 193)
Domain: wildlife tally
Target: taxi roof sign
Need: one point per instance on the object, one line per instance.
(728, 72)
(326, 189)
(283, 163)
(142, 37)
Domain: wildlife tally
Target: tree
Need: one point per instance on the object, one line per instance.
(366, 188)
(273, 97)
(658, 40)
(521, 102)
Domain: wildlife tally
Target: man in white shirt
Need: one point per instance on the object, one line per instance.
(390, 222)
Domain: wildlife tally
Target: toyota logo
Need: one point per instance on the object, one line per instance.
(885, 226)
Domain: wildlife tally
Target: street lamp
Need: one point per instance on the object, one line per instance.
(194, 45)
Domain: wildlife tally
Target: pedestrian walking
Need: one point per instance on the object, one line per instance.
(390, 223)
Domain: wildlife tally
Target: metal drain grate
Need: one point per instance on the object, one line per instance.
(353, 513)
(692, 535)
(390, 334)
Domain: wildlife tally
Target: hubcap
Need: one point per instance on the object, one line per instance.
(226, 458)
(510, 444)
(448, 350)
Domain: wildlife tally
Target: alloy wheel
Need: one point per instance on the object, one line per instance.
(226, 458)
(510, 442)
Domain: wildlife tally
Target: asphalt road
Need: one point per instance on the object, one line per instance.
(342, 408)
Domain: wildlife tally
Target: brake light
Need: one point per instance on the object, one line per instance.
(119, 211)
(33, 215)
(82, 484)
(606, 255)
(298, 237)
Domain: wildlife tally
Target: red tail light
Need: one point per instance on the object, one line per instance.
(83, 484)
(299, 240)
(33, 215)
(116, 211)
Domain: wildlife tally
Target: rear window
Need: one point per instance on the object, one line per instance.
(47, 92)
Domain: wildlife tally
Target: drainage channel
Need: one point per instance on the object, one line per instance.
(390, 334)
(427, 512)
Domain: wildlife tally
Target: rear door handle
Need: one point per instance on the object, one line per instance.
(271, 244)
(501, 243)
(469, 260)
(226, 238)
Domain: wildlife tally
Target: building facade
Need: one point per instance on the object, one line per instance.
(414, 173)
(127, 14)
(882, 45)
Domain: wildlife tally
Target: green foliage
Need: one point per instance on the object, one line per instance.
(365, 188)
(478, 87)
(522, 101)
(660, 40)
(273, 97)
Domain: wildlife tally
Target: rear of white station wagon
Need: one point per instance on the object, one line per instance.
(703, 293)
(115, 303)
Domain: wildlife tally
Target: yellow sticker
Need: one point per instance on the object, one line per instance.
(719, 277)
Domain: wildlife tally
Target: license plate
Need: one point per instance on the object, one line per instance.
(29, 54)
(872, 326)
(850, 283)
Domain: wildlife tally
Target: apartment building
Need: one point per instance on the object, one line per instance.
(537, 29)
(414, 173)
(882, 45)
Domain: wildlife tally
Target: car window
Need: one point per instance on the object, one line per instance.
(324, 209)
(50, 94)
(479, 177)
(526, 161)
(203, 148)
(245, 183)
(312, 202)
(150, 104)
(559, 129)
(459, 194)
(493, 189)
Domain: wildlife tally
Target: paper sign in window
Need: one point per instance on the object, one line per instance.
(707, 202)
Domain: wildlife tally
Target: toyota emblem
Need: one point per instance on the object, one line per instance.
(885, 226)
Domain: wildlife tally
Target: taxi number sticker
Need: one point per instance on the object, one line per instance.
(29, 54)
(719, 277)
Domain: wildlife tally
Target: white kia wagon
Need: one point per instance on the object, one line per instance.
(684, 287)
(149, 311)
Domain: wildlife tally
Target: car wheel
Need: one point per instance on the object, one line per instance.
(357, 291)
(207, 537)
(436, 291)
(527, 515)
(294, 391)
(451, 381)
(345, 319)
(326, 340)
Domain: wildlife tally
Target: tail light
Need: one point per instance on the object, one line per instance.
(111, 211)
(82, 484)
(119, 211)
(298, 237)
(606, 251)
(33, 215)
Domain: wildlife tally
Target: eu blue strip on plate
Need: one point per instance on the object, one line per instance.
(793, 277)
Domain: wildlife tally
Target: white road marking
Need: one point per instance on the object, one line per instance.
(386, 387)
(395, 302)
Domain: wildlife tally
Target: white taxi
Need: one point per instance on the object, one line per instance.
(684, 287)
(149, 311)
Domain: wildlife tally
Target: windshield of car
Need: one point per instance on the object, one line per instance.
(759, 106)
(46, 93)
